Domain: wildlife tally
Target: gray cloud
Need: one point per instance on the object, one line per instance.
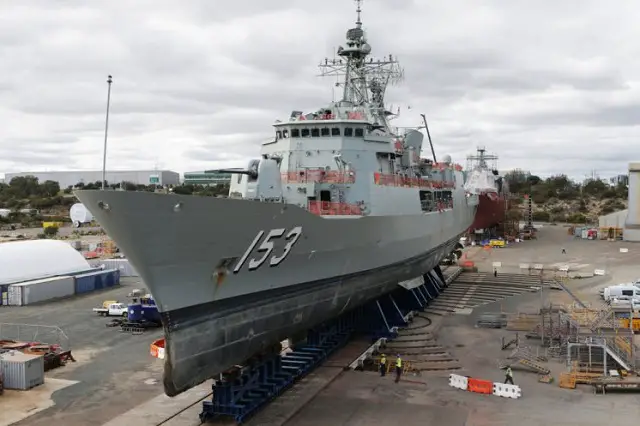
(549, 86)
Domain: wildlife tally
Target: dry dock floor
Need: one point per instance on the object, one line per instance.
(118, 382)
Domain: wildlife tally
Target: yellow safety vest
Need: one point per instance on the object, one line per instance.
(399, 362)
(383, 361)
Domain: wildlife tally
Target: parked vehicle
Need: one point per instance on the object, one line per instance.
(113, 310)
(621, 292)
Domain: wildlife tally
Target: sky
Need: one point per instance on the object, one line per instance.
(549, 86)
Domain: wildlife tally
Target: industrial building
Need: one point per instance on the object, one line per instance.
(207, 178)
(22, 261)
(72, 178)
(632, 223)
(40, 270)
(613, 220)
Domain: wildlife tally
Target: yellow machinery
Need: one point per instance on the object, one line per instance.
(624, 323)
(52, 224)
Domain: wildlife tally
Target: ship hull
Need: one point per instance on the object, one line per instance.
(491, 211)
(207, 339)
(213, 321)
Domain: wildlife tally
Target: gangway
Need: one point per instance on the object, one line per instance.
(569, 292)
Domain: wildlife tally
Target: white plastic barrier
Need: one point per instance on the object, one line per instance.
(598, 272)
(457, 381)
(507, 391)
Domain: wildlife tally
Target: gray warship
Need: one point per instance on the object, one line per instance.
(338, 209)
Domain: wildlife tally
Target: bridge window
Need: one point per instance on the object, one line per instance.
(348, 131)
(315, 132)
(335, 131)
(305, 133)
(285, 134)
(359, 133)
(278, 135)
(324, 131)
(295, 133)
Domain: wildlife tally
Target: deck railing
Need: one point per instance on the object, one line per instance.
(318, 176)
(325, 208)
(397, 180)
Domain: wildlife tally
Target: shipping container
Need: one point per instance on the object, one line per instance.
(21, 371)
(111, 277)
(123, 265)
(96, 280)
(4, 294)
(36, 291)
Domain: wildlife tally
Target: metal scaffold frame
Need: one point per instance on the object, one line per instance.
(584, 334)
(239, 394)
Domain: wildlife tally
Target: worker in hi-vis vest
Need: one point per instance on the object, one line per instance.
(383, 365)
(398, 368)
(508, 376)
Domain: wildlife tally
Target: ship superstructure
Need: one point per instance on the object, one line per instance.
(337, 210)
(484, 180)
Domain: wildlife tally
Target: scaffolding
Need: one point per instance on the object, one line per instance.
(589, 338)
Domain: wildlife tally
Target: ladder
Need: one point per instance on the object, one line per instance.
(569, 292)
(602, 315)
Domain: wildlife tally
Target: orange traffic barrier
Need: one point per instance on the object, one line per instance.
(157, 348)
(467, 264)
(480, 386)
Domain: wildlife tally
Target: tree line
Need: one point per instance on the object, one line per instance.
(563, 199)
(27, 192)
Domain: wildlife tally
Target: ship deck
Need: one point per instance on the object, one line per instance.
(112, 392)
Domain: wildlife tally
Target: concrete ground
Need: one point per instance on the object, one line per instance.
(114, 371)
(116, 374)
(362, 398)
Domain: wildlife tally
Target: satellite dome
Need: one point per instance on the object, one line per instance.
(446, 159)
(366, 48)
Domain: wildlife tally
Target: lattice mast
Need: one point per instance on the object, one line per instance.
(482, 160)
(364, 80)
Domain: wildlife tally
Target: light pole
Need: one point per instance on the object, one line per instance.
(106, 131)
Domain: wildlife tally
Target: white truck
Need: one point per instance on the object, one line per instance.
(112, 310)
(621, 292)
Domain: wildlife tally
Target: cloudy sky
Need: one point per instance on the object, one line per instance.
(550, 86)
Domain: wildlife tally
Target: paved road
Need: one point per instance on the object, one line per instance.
(115, 370)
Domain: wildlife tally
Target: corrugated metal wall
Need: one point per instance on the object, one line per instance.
(86, 283)
(4, 294)
(21, 371)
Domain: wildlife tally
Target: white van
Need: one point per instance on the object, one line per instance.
(621, 292)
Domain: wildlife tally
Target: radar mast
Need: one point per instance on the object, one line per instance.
(364, 79)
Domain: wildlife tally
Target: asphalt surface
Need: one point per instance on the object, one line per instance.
(115, 370)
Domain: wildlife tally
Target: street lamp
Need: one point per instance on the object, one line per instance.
(106, 131)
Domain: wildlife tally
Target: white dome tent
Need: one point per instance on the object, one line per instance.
(31, 260)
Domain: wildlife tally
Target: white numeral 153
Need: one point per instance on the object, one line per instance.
(267, 247)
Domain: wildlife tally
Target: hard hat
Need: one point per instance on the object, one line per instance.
(383, 355)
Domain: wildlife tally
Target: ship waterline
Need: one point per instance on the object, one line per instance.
(212, 320)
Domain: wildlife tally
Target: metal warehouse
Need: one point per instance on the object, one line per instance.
(71, 178)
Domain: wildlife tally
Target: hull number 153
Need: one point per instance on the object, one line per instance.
(267, 246)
